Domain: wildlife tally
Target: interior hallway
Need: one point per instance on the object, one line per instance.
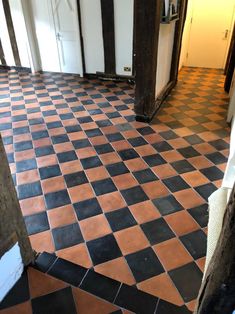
(104, 191)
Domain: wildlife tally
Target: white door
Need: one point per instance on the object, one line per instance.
(67, 35)
(210, 33)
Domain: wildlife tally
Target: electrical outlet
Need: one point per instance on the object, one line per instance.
(127, 69)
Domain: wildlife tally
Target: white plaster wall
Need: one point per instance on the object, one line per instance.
(123, 20)
(165, 48)
(6, 44)
(92, 35)
(11, 269)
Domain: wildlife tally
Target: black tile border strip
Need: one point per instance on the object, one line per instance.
(113, 291)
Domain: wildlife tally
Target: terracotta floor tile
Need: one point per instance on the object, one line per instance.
(95, 227)
(47, 161)
(86, 152)
(27, 176)
(70, 167)
(26, 154)
(23, 308)
(201, 263)
(53, 184)
(81, 193)
(161, 286)
(131, 240)
(77, 136)
(77, 254)
(61, 216)
(195, 178)
(124, 181)
(181, 223)
(171, 156)
(164, 171)
(117, 269)
(178, 143)
(98, 140)
(42, 142)
(42, 242)
(111, 201)
(204, 148)
(200, 162)
(110, 158)
(64, 147)
(208, 136)
(145, 150)
(189, 198)
(172, 254)
(42, 284)
(191, 305)
(32, 205)
(120, 145)
(155, 189)
(144, 212)
(98, 173)
(84, 301)
(136, 164)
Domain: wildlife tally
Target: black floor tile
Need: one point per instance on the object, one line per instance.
(44, 261)
(103, 186)
(188, 152)
(93, 132)
(36, 223)
(117, 169)
(134, 195)
(91, 162)
(44, 150)
(21, 130)
(217, 158)
(187, 280)
(144, 176)
(120, 219)
(145, 130)
(67, 271)
(136, 301)
(103, 123)
(81, 143)
(157, 231)
(103, 149)
(213, 173)
(168, 135)
(103, 249)
(87, 208)
(193, 139)
(67, 156)
(76, 178)
(39, 134)
(175, 184)
(73, 128)
(58, 302)
(162, 147)
(167, 205)
(182, 166)
(168, 308)
(101, 286)
(154, 160)
(57, 199)
(67, 236)
(24, 145)
(200, 214)
(114, 137)
(25, 165)
(127, 154)
(62, 138)
(206, 190)
(195, 243)
(144, 264)
(219, 144)
(137, 141)
(49, 172)
(29, 190)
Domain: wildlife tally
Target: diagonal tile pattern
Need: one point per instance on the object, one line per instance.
(94, 182)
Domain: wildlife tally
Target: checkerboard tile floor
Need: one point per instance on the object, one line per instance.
(104, 191)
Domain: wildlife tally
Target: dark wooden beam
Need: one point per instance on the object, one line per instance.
(230, 63)
(147, 24)
(2, 56)
(12, 225)
(179, 29)
(217, 293)
(81, 37)
(107, 13)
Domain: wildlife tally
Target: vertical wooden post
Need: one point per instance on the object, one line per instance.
(147, 23)
(107, 12)
(11, 32)
(217, 293)
(2, 57)
(12, 226)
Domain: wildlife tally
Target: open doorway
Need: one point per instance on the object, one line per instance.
(207, 33)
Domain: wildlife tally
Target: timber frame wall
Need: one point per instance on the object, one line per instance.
(147, 25)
